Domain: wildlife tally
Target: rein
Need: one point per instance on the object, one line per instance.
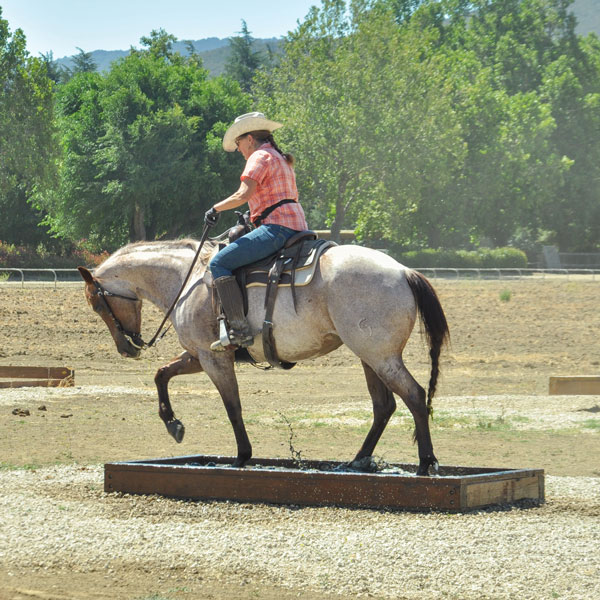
(136, 338)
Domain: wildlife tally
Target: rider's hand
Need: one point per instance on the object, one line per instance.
(211, 217)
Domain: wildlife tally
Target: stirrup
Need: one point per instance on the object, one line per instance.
(231, 339)
(217, 346)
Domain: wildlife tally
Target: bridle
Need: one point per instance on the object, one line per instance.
(134, 337)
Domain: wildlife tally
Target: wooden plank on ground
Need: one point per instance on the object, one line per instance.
(574, 385)
(35, 372)
(67, 382)
(16, 377)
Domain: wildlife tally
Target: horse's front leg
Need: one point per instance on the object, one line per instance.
(220, 368)
(182, 365)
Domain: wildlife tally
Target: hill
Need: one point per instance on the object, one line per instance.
(213, 51)
(588, 16)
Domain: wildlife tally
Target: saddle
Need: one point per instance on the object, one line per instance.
(293, 266)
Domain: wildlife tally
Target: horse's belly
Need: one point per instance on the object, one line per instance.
(307, 333)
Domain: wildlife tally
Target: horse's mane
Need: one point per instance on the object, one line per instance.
(167, 246)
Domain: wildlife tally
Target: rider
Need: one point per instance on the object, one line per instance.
(268, 185)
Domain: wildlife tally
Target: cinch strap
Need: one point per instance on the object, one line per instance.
(265, 213)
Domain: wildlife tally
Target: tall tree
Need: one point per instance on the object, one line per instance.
(533, 135)
(83, 62)
(27, 145)
(365, 110)
(243, 60)
(143, 157)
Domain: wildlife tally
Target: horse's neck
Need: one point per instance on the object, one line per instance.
(153, 272)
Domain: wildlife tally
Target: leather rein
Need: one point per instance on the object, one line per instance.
(135, 337)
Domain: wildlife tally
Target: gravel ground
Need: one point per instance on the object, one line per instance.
(59, 518)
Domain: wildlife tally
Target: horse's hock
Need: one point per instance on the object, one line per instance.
(319, 483)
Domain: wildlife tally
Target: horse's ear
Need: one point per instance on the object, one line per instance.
(85, 273)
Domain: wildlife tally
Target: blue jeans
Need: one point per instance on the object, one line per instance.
(256, 245)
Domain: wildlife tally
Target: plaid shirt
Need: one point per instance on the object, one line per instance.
(276, 181)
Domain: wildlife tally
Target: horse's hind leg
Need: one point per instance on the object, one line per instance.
(384, 406)
(398, 379)
(182, 365)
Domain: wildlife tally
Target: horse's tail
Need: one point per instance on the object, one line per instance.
(433, 319)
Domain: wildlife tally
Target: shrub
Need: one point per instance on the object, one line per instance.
(484, 258)
(26, 257)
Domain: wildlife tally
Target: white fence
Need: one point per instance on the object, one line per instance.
(46, 274)
(507, 273)
(56, 275)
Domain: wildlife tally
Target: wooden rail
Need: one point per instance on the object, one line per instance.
(15, 377)
(584, 385)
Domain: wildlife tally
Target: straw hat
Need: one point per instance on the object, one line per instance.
(254, 121)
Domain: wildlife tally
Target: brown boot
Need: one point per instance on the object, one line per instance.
(238, 329)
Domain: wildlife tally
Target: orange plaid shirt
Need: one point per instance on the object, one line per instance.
(276, 181)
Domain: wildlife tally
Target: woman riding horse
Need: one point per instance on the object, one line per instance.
(268, 185)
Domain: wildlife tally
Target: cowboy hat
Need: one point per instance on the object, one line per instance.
(254, 121)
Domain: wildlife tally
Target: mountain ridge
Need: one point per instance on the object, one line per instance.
(214, 51)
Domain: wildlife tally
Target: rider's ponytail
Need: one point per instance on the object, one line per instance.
(266, 136)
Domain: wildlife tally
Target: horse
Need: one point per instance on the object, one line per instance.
(358, 296)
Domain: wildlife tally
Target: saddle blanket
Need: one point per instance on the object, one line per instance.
(298, 269)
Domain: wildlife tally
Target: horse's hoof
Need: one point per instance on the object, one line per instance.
(240, 462)
(176, 429)
(364, 465)
(423, 470)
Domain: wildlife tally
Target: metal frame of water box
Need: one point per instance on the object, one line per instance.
(324, 483)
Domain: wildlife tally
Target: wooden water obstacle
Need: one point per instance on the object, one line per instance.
(573, 385)
(15, 377)
(280, 481)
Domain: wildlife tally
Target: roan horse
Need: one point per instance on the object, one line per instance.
(358, 297)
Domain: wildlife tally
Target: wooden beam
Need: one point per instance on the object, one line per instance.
(574, 385)
(35, 372)
(36, 377)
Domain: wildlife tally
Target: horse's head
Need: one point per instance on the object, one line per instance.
(122, 314)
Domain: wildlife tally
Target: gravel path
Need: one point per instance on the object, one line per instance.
(59, 518)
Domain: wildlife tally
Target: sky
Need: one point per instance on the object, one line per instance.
(62, 26)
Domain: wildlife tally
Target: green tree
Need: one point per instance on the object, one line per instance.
(571, 86)
(533, 133)
(56, 72)
(366, 113)
(83, 62)
(27, 145)
(243, 62)
(142, 147)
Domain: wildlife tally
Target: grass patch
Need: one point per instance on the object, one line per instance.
(447, 420)
(505, 296)
(497, 424)
(26, 467)
(592, 424)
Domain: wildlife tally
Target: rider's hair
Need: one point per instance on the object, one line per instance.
(263, 136)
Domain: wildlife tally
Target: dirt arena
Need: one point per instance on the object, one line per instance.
(61, 537)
